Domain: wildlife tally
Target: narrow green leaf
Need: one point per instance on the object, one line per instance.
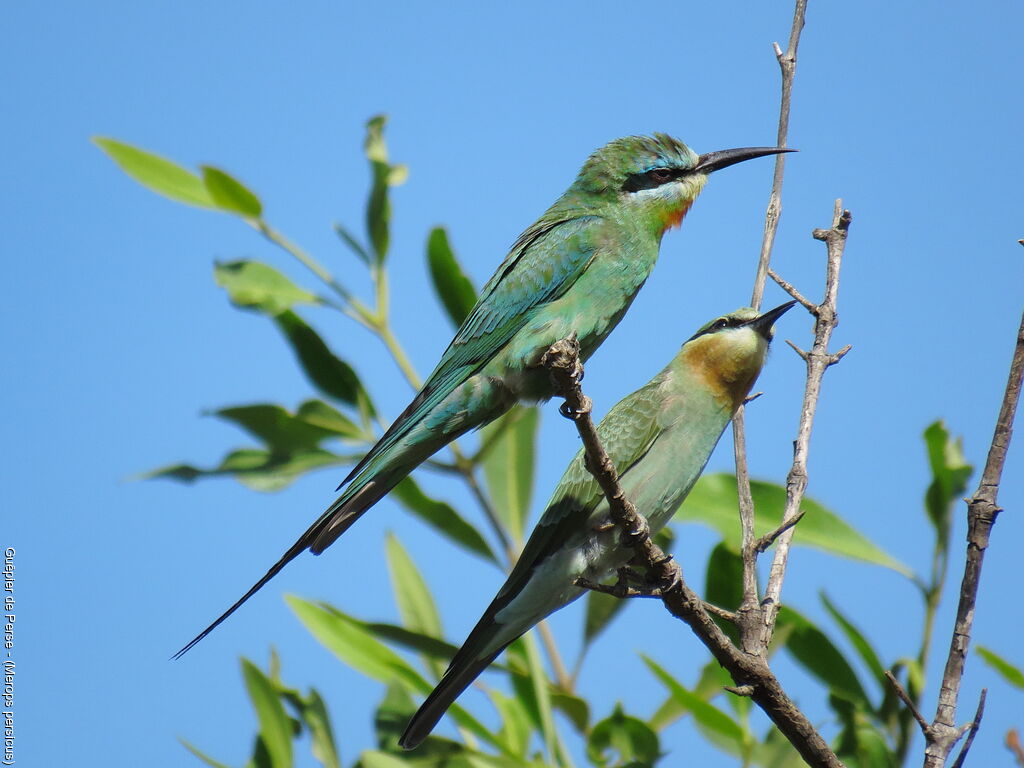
(427, 645)
(950, 473)
(516, 728)
(347, 639)
(623, 740)
(724, 584)
(378, 206)
(542, 696)
(319, 414)
(415, 603)
(354, 245)
(275, 725)
(713, 501)
(859, 642)
(509, 465)
(575, 708)
(279, 430)
(331, 375)
(255, 285)
(1009, 673)
(816, 653)
(202, 755)
(442, 518)
(708, 715)
(157, 173)
(371, 758)
(314, 715)
(256, 468)
(453, 288)
(392, 716)
(230, 195)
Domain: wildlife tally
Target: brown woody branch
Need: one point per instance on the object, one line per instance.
(750, 672)
(942, 734)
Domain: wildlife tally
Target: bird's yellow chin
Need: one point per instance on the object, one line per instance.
(728, 362)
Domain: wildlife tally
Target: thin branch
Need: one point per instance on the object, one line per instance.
(789, 288)
(562, 361)
(749, 610)
(818, 361)
(975, 725)
(787, 64)
(982, 511)
(1012, 737)
(769, 538)
(906, 699)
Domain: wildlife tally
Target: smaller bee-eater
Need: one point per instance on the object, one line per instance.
(575, 270)
(659, 438)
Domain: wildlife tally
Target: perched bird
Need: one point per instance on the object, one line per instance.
(577, 268)
(659, 438)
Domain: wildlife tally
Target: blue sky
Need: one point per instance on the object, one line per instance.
(117, 339)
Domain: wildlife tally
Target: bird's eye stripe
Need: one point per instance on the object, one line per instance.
(651, 179)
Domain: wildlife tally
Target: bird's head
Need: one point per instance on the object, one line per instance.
(656, 177)
(729, 352)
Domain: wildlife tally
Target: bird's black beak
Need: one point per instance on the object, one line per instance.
(716, 161)
(763, 323)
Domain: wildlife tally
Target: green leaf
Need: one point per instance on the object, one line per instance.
(229, 194)
(415, 603)
(704, 713)
(373, 759)
(859, 642)
(815, 652)
(509, 465)
(256, 468)
(378, 206)
(354, 245)
(1009, 673)
(279, 430)
(275, 725)
(254, 285)
(427, 645)
(575, 708)
(859, 744)
(713, 501)
(157, 173)
(350, 641)
(622, 740)
(442, 518)
(724, 585)
(950, 473)
(331, 375)
(319, 414)
(516, 727)
(392, 716)
(314, 715)
(202, 755)
(453, 288)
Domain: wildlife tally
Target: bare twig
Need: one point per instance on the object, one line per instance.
(806, 303)
(787, 63)
(975, 724)
(769, 538)
(982, 511)
(748, 671)
(1012, 737)
(749, 610)
(906, 699)
(818, 359)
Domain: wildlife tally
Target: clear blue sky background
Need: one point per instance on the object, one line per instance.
(116, 338)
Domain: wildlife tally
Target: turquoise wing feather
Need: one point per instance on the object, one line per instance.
(544, 263)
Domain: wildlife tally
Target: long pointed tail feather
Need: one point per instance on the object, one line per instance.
(457, 679)
(348, 508)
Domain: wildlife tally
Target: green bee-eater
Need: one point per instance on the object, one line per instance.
(577, 269)
(659, 438)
